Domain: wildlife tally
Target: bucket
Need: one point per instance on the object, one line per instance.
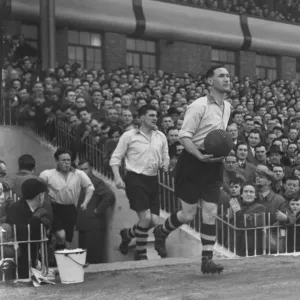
(71, 264)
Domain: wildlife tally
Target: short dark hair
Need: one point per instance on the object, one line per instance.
(145, 108)
(236, 112)
(26, 162)
(114, 129)
(292, 177)
(61, 151)
(171, 128)
(236, 180)
(211, 70)
(84, 161)
(94, 91)
(68, 91)
(241, 144)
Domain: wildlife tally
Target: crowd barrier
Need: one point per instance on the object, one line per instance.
(10, 247)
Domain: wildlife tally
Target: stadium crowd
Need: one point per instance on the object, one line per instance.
(277, 10)
(261, 176)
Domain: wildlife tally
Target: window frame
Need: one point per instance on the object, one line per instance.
(155, 54)
(236, 59)
(267, 68)
(85, 47)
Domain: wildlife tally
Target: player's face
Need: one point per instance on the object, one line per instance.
(64, 162)
(221, 80)
(150, 119)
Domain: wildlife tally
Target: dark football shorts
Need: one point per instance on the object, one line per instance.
(142, 192)
(64, 218)
(195, 180)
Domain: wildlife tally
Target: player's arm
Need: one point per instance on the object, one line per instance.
(87, 184)
(117, 157)
(165, 154)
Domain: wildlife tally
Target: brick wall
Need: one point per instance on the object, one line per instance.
(247, 63)
(183, 57)
(287, 67)
(114, 48)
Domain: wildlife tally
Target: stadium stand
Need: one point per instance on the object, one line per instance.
(95, 107)
(288, 11)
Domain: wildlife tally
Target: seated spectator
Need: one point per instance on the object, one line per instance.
(290, 218)
(291, 188)
(29, 211)
(235, 186)
(245, 168)
(245, 212)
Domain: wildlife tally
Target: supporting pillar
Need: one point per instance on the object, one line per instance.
(44, 34)
(51, 33)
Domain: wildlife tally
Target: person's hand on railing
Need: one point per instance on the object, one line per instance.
(280, 216)
(235, 205)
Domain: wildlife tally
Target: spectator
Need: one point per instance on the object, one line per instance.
(91, 223)
(248, 214)
(29, 211)
(245, 168)
(267, 197)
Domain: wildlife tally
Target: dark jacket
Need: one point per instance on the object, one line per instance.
(18, 179)
(94, 218)
(250, 216)
(273, 202)
(20, 214)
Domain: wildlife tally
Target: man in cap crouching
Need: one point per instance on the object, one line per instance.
(29, 211)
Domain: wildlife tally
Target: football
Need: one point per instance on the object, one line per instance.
(218, 143)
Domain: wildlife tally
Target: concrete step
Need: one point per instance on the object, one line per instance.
(151, 252)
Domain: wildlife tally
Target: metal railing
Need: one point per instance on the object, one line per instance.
(253, 235)
(16, 253)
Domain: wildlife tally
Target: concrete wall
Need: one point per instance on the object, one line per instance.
(15, 142)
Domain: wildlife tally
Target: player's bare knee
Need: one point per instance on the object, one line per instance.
(154, 220)
(188, 215)
(209, 213)
(145, 218)
(60, 236)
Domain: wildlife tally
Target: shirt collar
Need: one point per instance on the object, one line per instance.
(212, 100)
(266, 193)
(71, 170)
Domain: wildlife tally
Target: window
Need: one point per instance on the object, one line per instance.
(31, 34)
(225, 57)
(298, 70)
(85, 49)
(266, 66)
(141, 54)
